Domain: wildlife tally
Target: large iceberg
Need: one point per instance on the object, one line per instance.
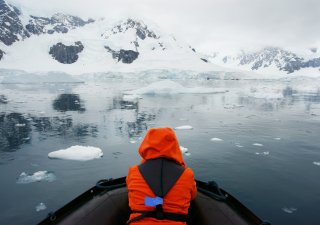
(77, 152)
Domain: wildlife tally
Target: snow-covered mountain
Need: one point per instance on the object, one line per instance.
(272, 60)
(70, 44)
(73, 45)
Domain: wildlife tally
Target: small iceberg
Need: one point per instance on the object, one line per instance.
(77, 152)
(215, 139)
(185, 151)
(184, 127)
(41, 206)
(262, 153)
(257, 144)
(25, 178)
(277, 138)
(289, 209)
(316, 163)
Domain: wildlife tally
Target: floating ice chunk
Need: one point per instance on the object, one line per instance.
(185, 151)
(184, 127)
(25, 178)
(257, 144)
(77, 152)
(239, 146)
(262, 153)
(277, 138)
(41, 206)
(316, 163)
(289, 209)
(171, 87)
(20, 125)
(215, 139)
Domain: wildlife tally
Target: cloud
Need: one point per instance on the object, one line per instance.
(208, 24)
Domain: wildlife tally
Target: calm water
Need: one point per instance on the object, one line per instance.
(269, 157)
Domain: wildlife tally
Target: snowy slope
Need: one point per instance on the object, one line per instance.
(128, 45)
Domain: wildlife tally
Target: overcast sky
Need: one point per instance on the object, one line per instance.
(208, 25)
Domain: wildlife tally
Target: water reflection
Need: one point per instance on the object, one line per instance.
(14, 130)
(3, 99)
(289, 98)
(119, 103)
(56, 126)
(138, 123)
(68, 102)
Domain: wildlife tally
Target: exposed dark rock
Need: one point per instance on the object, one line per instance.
(314, 50)
(141, 34)
(66, 54)
(59, 23)
(142, 30)
(11, 28)
(125, 56)
(204, 60)
(128, 56)
(1, 54)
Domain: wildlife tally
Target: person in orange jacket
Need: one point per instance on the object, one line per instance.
(161, 187)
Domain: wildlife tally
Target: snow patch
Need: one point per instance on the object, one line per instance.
(77, 152)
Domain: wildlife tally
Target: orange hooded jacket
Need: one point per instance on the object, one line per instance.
(160, 143)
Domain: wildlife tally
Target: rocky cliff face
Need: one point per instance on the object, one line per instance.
(59, 23)
(1, 54)
(11, 28)
(270, 56)
(125, 56)
(66, 54)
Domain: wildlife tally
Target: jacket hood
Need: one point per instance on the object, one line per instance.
(161, 142)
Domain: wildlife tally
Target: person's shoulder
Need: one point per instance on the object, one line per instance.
(189, 172)
(133, 168)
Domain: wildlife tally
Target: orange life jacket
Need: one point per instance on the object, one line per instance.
(160, 145)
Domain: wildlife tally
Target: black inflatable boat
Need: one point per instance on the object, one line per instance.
(107, 204)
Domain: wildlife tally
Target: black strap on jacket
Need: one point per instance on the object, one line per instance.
(160, 174)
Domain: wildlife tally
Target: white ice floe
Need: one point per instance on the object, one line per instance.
(41, 206)
(277, 138)
(184, 127)
(257, 144)
(171, 87)
(239, 146)
(25, 178)
(77, 152)
(20, 125)
(289, 209)
(316, 163)
(262, 153)
(215, 139)
(185, 151)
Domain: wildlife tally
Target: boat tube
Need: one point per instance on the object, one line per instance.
(107, 204)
